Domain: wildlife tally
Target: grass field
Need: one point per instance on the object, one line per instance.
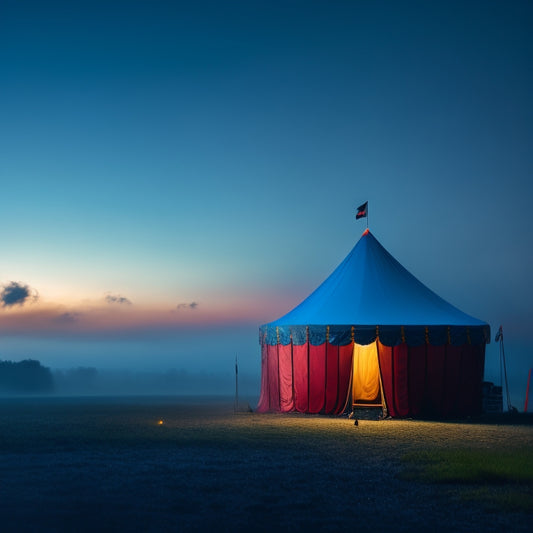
(177, 464)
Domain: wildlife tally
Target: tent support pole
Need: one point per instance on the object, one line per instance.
(349, 392)
(383, 401)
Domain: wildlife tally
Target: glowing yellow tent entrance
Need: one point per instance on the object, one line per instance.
(366, 382)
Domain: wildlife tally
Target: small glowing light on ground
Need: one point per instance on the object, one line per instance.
(160, 422)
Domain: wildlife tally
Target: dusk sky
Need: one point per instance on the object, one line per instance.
(174, 174)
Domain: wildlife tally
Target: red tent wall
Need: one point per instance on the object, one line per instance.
(432, 380)
(417, 381)
(305, 378)
(338, 371)
(317, 378)
(286, 396)
(332, 378)
(300, 356)
(416, 375)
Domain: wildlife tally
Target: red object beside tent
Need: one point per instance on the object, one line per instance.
(373, 335)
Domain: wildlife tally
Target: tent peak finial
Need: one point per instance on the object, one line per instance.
(366, 232)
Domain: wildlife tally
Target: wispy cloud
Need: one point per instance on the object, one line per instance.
(17, 293)
(191, 305)
(117, 299)
(67, 318)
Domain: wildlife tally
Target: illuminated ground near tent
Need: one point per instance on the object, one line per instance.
(103, 463)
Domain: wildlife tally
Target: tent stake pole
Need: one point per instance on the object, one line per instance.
(527, 391)
(510, 408)
(236, 405)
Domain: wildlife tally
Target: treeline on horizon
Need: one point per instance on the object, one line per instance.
(31, 377)
(27, 376)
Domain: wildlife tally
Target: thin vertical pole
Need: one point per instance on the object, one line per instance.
(527, 390)
(236, 406)
(509, 406)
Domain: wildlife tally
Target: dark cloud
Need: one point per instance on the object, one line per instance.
(191, 305)
(16, 293)
(67, 318)
(117, 299)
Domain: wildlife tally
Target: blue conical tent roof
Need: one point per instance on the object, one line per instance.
(370, 293)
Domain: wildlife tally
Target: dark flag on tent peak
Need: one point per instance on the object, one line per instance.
(362, 211)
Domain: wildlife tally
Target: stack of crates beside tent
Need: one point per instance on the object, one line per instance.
(492, 398)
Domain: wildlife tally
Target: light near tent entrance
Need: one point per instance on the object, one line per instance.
(366, 383)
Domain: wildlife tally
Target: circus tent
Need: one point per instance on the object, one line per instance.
(373, 335)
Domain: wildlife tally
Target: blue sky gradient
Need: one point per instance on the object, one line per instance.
(214, 153)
